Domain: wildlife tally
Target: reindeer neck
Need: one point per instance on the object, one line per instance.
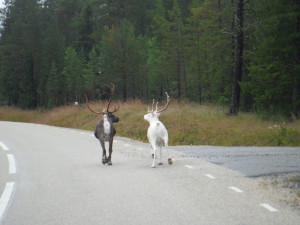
(106, 118)
(154, 119)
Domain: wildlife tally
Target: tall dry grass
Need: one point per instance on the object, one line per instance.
(188, 124)
(18, 115)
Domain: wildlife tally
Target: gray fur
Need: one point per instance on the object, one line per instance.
(103, 137)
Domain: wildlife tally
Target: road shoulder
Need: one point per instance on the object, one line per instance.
(282, 189)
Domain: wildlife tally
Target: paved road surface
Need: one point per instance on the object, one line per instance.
(250, 161)
(51, 175)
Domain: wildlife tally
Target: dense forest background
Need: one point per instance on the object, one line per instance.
(243, 54)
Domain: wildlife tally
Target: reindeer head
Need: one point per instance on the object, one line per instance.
(106, 111)
(154, 115)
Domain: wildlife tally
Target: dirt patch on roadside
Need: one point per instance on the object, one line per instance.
(284, 188)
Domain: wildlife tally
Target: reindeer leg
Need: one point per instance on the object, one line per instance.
(160, 155)
(104, 158)
(152, 152)
(167, 147)
(110, 152)
(154, 155)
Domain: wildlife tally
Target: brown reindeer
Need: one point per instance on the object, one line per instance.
(105, 130)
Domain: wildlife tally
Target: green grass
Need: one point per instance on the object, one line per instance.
(188, 124)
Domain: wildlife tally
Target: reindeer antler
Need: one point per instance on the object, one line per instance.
(116, 107)
(150, 111)
(156, 110)
(112, 90)
(168, 102)
(89, 107)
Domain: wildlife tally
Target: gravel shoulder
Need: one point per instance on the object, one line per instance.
(282, 188)
(285, 188)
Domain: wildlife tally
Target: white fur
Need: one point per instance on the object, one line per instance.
(157, 135)
(106, 125)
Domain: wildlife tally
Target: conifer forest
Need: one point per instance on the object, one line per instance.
(242, 54)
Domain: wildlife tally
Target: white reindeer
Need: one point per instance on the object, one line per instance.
(157, 133)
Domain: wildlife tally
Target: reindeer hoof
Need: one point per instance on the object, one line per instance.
(170, 161)
(109, 163)
(153, 166)
(104, 161)
(160, 164)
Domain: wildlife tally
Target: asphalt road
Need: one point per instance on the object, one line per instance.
(250, 161)
(52, 175)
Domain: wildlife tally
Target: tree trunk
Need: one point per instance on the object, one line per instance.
(178, 81)
(296, 87)
(199, 68)
(236, 90)
(220, 17)
(183, 63)
(124, 72)
(295, 99)
(124, 87)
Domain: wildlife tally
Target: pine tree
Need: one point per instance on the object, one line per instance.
(20, 39)
(53, 48)
(122, 59)
(73, 72)
(85, 26)
(176, 50)
(52, 87)
(274, 69)
(238, 71)
(209, 51)
(160, 72)
(92, 74)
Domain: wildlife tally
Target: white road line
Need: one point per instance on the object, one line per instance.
(210, 176)
(11, 163)
(268, 207)
(192, 167)
(5, 197)
(3, 146)
(140, 149)
(189, 167)
(235, 189)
